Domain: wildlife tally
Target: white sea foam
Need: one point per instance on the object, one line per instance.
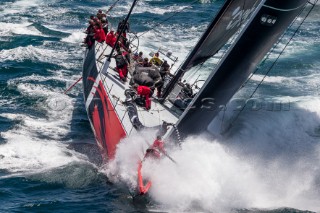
(207, 1)
(35, 77)
(307, 85)
(162, 11)
(59, 109)
(75, 37)
(128, 154)
(21, 6)
(23, 153)
(144, 7)
(33, 53)
(7, 29)
(173, 40)
(256, 166)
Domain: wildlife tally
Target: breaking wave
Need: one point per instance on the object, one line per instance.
(256, 166)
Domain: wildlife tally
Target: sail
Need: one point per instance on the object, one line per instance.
(225, 24)
(267, 24)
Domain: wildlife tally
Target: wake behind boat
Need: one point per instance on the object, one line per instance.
(120, 101)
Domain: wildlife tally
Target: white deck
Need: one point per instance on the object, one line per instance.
(115, 89)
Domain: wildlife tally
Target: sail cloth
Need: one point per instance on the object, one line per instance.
(226, 23)
(268, 23)
(221, 29)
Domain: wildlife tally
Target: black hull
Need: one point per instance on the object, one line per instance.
(105, 123)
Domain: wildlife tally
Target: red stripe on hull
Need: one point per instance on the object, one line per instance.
(112, 129)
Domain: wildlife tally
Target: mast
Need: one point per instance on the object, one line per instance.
(228, 20)
(122, 30)
(269, 22)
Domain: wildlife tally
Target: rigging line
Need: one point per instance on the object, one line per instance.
(273, 64)
(165, 20)
(112, 6)
(195, 73)
(315, 2)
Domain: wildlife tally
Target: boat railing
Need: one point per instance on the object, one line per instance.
(101, 47)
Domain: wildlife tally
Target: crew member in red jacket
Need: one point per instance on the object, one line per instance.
(111, 38)
(122, 62)
(156, 149)
(89, 40)
(146, 93)
(99, 35)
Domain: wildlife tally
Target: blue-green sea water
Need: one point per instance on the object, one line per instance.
(269, 161)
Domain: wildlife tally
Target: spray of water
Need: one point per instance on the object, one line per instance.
(257, 167)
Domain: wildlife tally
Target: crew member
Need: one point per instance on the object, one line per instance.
(164, 128)
(138, 57)
(122, 43)
(187, 89)
(164, 70)
(156, 149)
(156, 60)
(89, 40)
(100, 15)
(146, 63)
(156, 77)
(99, 34)
(122, 62)
(111, 38)
(104, 22)
(145, 92)
(124, 26)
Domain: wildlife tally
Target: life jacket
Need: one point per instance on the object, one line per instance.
(156, 61)
(143, 90)
(156, 149)
(110, 39)
(158, 144)
(146, 93)
(100, 36)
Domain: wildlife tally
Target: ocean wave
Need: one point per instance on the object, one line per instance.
(75, 38)
(7, 29)
(22, 154)
(33, 53)
(20, 6)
